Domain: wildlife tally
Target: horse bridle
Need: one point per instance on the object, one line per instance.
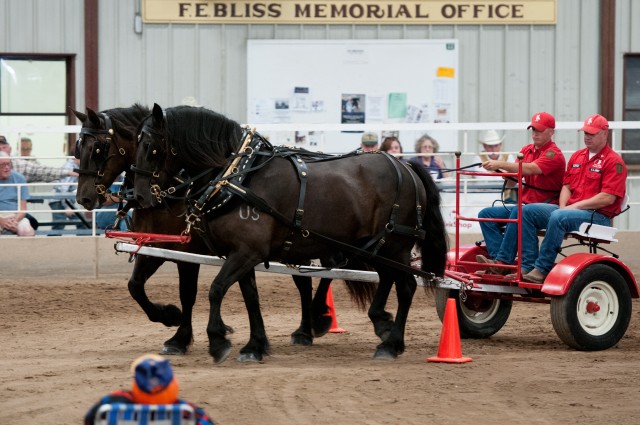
(100, 154)
(154, 186)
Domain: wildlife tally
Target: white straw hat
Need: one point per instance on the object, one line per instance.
(489, 137)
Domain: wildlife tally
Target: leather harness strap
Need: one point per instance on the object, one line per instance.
(252, 199)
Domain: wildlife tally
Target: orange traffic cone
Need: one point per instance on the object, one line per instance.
(450, 350)
(332, 312)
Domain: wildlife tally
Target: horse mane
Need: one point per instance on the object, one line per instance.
(125, 120)
(203, 138)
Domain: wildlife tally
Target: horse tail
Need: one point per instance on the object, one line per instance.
(435, 245)
(360, 292)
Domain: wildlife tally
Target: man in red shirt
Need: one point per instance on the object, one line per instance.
(542, 168)
(594, 187)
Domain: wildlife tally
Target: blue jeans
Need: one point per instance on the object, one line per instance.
(560, 222)
(505, 247)
(106, 220)
(497, 244)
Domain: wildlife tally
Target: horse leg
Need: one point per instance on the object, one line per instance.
(320, 315)
(393, 344)
(303, 335)
(258, 345)
(237, 267)
(183, 338)
(382, 320)
(144, 268)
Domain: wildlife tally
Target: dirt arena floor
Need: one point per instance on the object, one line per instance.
(66, 342)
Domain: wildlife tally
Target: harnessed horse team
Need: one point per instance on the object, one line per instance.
(200, 173)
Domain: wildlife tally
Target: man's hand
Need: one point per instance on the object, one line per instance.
(9, 223)
(492, 165)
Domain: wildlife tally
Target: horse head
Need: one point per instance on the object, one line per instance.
(105, 149)
(180, 141)
(155, 165)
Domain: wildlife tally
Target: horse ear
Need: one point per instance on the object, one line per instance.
(158, 115)
(82, 117)
(93, 117)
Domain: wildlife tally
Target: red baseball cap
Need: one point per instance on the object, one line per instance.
(541, 121)
(594, 124)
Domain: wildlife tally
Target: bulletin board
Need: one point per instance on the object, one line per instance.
(352, 81)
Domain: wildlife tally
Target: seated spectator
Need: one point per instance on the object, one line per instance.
(433, 164)
(34, 172)
(12, 222)
(26, 149)
(391, 145)
(491, 150)
(369, 142)
(65, 188)
(153, 383)
(106, 219)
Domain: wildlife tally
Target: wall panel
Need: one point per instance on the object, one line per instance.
(506, 72)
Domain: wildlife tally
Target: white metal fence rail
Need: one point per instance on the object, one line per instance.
(625, 222)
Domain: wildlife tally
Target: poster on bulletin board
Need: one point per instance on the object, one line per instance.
(352, 82)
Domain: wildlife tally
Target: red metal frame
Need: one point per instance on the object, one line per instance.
(459, 218)
(145, 238)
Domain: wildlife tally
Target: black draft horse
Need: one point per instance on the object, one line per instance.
(369, 206)
(106, 148)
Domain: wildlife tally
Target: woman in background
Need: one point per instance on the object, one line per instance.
(433, 164)
(391, 145)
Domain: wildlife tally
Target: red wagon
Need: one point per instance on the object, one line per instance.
(589, 292)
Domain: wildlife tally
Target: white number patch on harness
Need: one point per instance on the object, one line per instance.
(249, 213)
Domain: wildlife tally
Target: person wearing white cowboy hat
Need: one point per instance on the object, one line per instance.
(492, 146)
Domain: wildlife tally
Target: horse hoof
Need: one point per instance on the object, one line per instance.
(384, 354)
(321, 327)
(222, 355)
(301, 340)
(169, 350)
(248, 358)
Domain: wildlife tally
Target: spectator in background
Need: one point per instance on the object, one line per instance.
(433, 164)
(369, 142)
(153, 383)
(34, 172)
(12, 222)
(66, 187)
(26, 147)
(491, 150)
(106, 219)
(391, 145)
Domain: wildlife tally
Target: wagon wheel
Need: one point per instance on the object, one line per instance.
(477, 317)
(595, 311)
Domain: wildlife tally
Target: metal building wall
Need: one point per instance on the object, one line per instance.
(506, 72)
(45, 26)
(627, 41)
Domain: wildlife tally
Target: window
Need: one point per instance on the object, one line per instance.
(631, 106)
(35, 91)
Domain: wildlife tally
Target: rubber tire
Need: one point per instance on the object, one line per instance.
(475, 324)
(606, 327)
